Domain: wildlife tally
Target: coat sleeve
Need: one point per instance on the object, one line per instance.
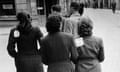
(63, 24)
(68, 26)
(43, 53)
(73, 50)
(11, 45)
(39, 35)
(101, 51)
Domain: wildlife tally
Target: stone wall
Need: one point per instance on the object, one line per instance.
(28, 6)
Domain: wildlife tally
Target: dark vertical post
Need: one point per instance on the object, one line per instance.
(48, 4)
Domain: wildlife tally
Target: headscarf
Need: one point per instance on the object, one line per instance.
(53, 24)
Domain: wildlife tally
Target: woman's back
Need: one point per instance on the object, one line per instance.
(27, 43)
(58, 47)
(90, 49)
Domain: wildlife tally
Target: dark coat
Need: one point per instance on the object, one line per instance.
(57, 49)
(113, 7)
(27, 58)
(90, 55)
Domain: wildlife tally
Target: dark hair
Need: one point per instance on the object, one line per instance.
(56, 8)
(81, 9)
(23, 17)
(75, 5)
(53, 24)
(24, 22)
(85, 27)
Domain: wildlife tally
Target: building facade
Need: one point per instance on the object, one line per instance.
(9, 8)
(91, 3)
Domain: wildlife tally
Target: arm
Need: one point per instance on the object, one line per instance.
(73, 50)
(43, 53)
(101, 52)
(68, 26)
(39, 35)
(63, 24)
(11, 45)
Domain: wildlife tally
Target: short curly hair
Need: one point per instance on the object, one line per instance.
(85, 27)
(53, 24)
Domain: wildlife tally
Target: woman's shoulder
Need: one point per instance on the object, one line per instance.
(66, 35)
(97, 39)
(59, 34)
(36, 28)
(37, 31)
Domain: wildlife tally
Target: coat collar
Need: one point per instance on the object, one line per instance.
(55, 14)
(76, 14)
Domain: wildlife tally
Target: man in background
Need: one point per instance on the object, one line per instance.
(71, 24)
(55, 10)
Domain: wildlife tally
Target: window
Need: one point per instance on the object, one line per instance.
(41, 7)
(7, 7)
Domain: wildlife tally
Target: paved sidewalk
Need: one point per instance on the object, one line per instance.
(5, 30)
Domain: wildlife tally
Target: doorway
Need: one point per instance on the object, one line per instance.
(44, 6)
(44, 9)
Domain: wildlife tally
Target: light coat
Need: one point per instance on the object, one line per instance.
(71, 24)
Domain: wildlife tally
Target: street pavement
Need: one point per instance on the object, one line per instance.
(106, 26)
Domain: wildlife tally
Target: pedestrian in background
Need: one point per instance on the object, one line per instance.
(113, 6)
(24, 37)
(58, 48)
(56, 11)
(71, 24)
(91, 52)
(81, 9)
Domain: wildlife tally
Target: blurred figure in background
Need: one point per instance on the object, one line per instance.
(81, 9)
(71, 24)
(24, 37)
(58, 48)
(113, 6)
(91, 53)
(55, 10)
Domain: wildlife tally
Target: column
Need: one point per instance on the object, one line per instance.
(33, 7)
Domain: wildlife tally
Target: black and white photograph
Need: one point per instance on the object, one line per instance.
(59, 35)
